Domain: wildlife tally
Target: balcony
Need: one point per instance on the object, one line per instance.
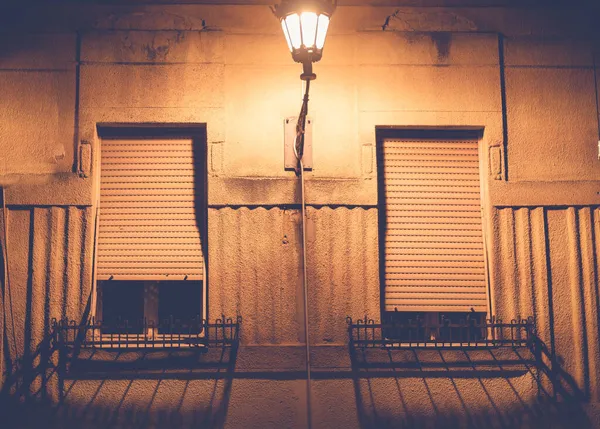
(144, 335)
(468, 333)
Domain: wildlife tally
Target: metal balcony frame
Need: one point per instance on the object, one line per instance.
(466, 334)
(196, 334)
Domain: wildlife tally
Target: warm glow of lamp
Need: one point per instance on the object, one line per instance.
(308, 22)
(304, 25)
(293, 27)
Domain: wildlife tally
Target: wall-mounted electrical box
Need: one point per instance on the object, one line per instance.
(289, 158)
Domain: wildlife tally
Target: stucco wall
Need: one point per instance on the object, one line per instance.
(50, 254)
(524, 76)
(550, 255)
(262, 279)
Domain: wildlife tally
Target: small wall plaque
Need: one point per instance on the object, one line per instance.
(289, 158)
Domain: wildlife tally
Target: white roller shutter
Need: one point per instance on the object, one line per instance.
(149, 227)
(434, 256)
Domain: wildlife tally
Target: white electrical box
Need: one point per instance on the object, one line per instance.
(289, 158)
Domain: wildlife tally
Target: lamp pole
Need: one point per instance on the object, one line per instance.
(305, 24)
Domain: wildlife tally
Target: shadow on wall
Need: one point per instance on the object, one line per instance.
(497, 388)
(128, 389)
(510, 388)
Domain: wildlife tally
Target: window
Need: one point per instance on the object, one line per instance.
(431, 236)
(150, 266)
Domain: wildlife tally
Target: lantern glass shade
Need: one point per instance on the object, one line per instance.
(286, 34)
(305, 31)
(294, 33)
(308, 22)
(322, 26)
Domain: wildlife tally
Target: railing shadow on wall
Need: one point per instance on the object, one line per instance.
(482, 379)
(84, 365)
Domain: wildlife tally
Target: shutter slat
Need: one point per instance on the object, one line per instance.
(154, 260)
(432, 252)
(435, 244)
(150, 276)
(181, 151)
(146, 222)
(433, 231)
(143, 186)
(428, 189)
(438, 297)
(433, 264)
(167, 212)
(436, 232)
(441, 308)
(151, 198)
(425, 170)
(135, 205)
(151, 174)
(425, 207)
(148, 227)
(444, 163)
(162, 253)
(126, 241)
(438, 225)
(158, 270)
(454, 145)
(148, 233)
(415, 281)
(446, 200)
(132, 182)
(443, 181)
(474, 290)
(431, 192)
(434, 270)
(431, 157)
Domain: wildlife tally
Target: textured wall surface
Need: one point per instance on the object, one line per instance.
(38, 77)
(545, 264)
(262, 280)
(258, 279)
(50, 257)
(451, 389)
(523, 76)
(548, 83)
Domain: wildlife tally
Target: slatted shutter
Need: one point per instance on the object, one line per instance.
(434, 256)
(148, 225)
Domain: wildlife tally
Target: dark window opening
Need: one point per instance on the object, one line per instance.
(179, 307)
(131, 307)
(122, 307)
(434, 326)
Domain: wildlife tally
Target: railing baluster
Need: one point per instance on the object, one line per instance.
(145, 334)
(417, 333)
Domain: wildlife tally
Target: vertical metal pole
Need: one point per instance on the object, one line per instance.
(299, 150)
(305, 283)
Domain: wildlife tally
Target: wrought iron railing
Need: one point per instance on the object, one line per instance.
(170, 333)
(416, 333)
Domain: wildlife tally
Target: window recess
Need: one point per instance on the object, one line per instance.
(151, 307)
(150, 264)
(431, 236)
(151, 211)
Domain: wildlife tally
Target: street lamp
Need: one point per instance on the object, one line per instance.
(304, 25)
